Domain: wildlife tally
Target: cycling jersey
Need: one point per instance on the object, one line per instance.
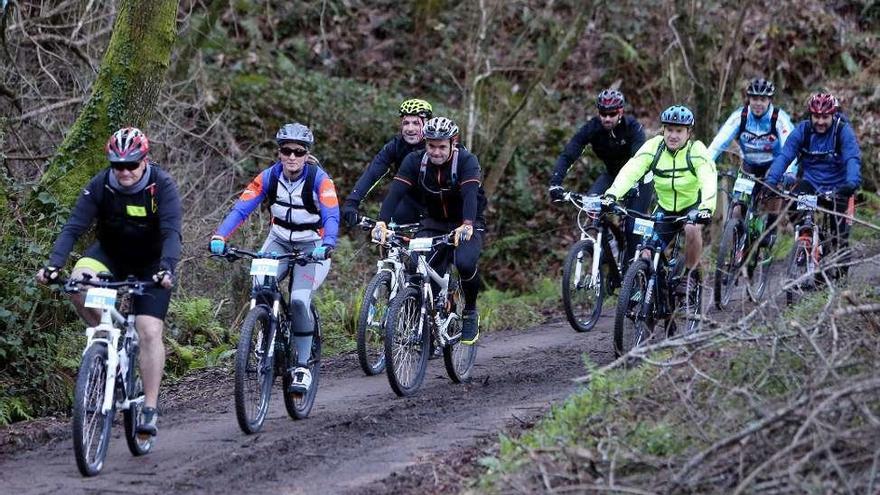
(137, 226)
(682, 179)
(451, 192)
(293, 220)
(827, 160)
(613, 147)
(758, 141)
(389, 158)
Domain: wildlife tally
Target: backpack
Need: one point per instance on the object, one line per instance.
(308, 198)
(423, 168)
(839, 122)
(687, 157)
(744, 115)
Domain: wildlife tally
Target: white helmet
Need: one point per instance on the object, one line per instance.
(440, 128)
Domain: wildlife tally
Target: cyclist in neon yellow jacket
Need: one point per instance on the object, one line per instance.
(684, 178)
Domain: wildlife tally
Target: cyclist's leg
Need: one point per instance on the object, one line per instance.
(275, 245)
(93, 261)
(763, 200)
(150, 310)
(304, 281)
(467, 253)
(603, 182)
(409, 210)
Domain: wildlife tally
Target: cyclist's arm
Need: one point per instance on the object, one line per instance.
(405, 179)
(374, 172)
(249, 200)
(170, 219)
(328, 203)
(571, 153)
(707, 174)
(725, 135)
(788, 154)
(851, 156)
(81, 218)
(633, 170)
(784, 127)
(470, 187)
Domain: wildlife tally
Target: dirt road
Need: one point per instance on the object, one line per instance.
(359, 432)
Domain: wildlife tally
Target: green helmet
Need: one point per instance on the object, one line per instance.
(414, 106)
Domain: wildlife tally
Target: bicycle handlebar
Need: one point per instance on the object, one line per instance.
(130, 285)
(234, 253)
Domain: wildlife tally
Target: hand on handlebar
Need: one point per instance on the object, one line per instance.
(49, 275)
(380, 232)
(164, 278)
(701, 216)
(557, 194)
(608, 201)
(217, 245)
(463, 233)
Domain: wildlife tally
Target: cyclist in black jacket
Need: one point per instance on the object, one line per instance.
(136, 208)
(447, 179)
(615, 138)
(413, 115)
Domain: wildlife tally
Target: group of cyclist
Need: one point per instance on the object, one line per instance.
(437, 182)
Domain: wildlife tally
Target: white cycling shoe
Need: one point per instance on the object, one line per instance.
(302, 380)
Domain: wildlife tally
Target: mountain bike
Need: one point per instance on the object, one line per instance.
(740, 247)
(108, 379)
(593, 266)
(265, 346)
(648, 295)
(417, 317)
(814, 242)
(381, 289)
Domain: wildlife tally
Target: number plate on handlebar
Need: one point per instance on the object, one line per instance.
(644, 228)
(264, 267)
(100, 298)
(743, 185)
(421, 244)
(592, 204)
(807, 202)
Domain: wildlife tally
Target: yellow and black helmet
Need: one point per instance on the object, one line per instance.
(415, 106)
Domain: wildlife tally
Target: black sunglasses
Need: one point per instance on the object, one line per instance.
(297, 152)
(130, 166)
(609, 114)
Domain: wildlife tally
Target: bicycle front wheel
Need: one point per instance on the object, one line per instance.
(407, 343)
(633, 322)
(300, 405)
(797, 265)
(693, 302)
(457, 357)
(91, 426)
(730, 254)
(254, 370)
(371, 324)
(759, 270)
(138, 445)
(582, 293)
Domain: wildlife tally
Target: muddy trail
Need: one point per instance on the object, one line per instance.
(358, 433)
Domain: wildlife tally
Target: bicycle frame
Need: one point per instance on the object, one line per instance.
(592, 223)
(426, 274)
(654, 246)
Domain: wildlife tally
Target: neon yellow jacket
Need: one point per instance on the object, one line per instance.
(678, 185)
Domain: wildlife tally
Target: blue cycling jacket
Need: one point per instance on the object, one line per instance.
(829, 160)
(758, 143)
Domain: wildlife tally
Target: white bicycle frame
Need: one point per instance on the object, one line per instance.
(425, 270)
(107, 332)
(584, 209)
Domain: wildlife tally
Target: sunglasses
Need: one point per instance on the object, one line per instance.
(609, 114)
(297, 152)
(130, 166)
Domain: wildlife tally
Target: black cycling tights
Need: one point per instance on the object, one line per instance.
(465, 258)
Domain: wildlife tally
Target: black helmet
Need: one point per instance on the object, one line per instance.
(760, 87)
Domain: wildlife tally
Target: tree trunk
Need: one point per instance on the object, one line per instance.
(123, 94)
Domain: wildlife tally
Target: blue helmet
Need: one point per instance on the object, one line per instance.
(297, 133)
(677, 115)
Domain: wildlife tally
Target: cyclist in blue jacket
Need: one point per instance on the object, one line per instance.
(760, 129)
(829, 160)
(305, 216)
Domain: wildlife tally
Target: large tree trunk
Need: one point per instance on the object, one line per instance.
(123, 94)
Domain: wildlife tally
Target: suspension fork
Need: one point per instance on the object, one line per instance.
(648, 300)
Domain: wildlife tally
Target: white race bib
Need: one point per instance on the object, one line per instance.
(743, 185)
(644, 228)
(807, 202)
(421, 244)
(100, 298)
(592, 204)
(264, 267)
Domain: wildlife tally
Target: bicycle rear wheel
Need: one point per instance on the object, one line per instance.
(759, 270)
(581, 295)
(457, 357)
(300, 405)
(91, 427)
(630, 329)
(371, 324)
(730, 254)
(254, 370)
(407, 343)
(138, 445)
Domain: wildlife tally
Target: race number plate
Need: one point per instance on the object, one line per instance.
(743, 185)
(592, 204)
(807, 202)
(264, 267)
(100, 298)
(421, 244)
(644, 228)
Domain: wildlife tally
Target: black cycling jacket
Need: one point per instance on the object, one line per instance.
(135, 229)
(389, 158)
(613, 147)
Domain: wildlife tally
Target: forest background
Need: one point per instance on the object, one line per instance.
(211, 81)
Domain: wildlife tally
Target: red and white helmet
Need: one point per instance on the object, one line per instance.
(128, 144)
(823, 103)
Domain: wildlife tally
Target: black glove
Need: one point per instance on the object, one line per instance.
(699, 216)
(557, 193)
(161, 275)
(608, 200)
(52, 274)
(846, 190)
(350, 214)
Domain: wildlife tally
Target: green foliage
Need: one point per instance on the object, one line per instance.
(13, 409)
